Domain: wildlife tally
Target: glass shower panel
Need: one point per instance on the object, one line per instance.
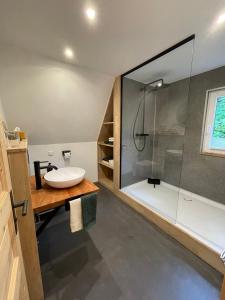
(171, 112)
(154, 111)
(137, 132)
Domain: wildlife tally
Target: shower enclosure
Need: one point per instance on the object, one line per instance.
(154, 110)
(161, 164)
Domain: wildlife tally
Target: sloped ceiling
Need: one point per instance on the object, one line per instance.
(125, 33)
(53, 102)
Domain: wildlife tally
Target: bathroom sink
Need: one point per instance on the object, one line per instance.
(64, 177)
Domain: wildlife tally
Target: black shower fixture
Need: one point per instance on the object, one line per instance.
(154, 181)
(156, 83)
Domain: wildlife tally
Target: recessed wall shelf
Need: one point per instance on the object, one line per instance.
(108, 123)
(104, 144)
(106, 164)
(108, 174)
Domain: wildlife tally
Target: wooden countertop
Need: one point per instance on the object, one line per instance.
(48, 197)
(22, 146)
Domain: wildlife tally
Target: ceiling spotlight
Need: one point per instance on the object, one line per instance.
(68, 53)
(90, 12)
(221, 19)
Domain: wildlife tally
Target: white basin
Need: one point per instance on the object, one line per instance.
(64, 177)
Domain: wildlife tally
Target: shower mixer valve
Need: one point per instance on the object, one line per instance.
(154, 181)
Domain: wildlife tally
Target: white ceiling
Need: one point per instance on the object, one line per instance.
(174, 66)
(126, 32)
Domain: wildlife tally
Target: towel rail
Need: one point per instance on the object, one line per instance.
(53, 212)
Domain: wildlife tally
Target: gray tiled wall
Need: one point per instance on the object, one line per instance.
(201, 174)
(171, 113)
(179, 121)
(132, 162)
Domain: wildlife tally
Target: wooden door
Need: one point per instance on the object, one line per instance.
(13, 284)
(223, 290)
(20, 178)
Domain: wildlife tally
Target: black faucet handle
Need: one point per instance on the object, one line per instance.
(50, 167)
(45, 161)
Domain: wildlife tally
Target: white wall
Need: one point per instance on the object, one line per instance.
(2, 113)
(59, 106)
(53, 102)
(83, 155)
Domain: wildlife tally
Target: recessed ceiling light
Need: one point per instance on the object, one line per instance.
(68, 52)
(90, 12)
(221, 19)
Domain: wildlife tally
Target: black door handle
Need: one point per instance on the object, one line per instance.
(23, 204)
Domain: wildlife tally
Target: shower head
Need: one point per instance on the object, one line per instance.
(156, 84)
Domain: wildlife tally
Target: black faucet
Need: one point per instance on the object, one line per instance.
(37, 171)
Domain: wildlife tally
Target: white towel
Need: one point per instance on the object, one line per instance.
(111, 162)
(76, 221)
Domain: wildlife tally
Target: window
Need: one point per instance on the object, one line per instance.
(213, 138)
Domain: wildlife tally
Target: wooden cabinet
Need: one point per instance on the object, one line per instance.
(19, 172)
(13, 283)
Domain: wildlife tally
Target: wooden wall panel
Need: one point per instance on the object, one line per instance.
(223, 290)
(117, 117)
(19, 170)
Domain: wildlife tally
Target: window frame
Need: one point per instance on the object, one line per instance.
(208, 122)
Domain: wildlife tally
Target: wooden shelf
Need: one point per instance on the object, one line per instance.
(103, 144)
(108, 123)
(108, 175)
(106, 164)
(49, 198)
